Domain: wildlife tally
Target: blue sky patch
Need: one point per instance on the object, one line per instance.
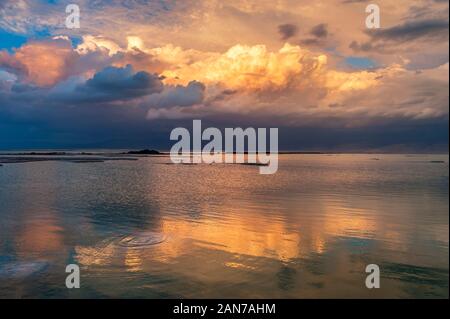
(9, 40)
(360, 62)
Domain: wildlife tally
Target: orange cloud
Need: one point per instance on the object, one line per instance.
(252, 68)
(46, 62)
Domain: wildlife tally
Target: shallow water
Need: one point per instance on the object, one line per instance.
(149, 230)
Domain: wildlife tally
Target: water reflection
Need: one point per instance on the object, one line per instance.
(145, 229)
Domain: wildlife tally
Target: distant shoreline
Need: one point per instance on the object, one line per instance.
(134, 155)
(151, 152)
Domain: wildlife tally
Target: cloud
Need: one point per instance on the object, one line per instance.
(320, 30)
(24, 16)
(211, 25)
(408, 32)
(9, 63)
(319, 33)
(287, 31)
(297, 87)
(50, 61)
(250, 68)
(41, 62)
(6, 76)
(179, 95)
(354, 1)
(112, 84)
(96, 43)
(292, 84)
(140, 60)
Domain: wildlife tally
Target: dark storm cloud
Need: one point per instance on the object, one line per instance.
(426, 12)
(110, 84)
(436, 29)
(189, 95)
(424, 30)
(287, 31)
(318, 34)
(122, 83)
(112, 95)
(320, 30)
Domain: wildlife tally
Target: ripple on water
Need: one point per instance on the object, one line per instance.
(142, 240)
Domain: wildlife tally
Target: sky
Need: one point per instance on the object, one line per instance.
(135, 70)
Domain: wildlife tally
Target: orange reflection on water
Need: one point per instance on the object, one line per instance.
(39, 236)
(40, 233)
(243, 236)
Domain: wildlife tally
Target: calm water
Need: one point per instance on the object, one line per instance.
(150, 230)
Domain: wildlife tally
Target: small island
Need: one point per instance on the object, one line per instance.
(144, 152)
